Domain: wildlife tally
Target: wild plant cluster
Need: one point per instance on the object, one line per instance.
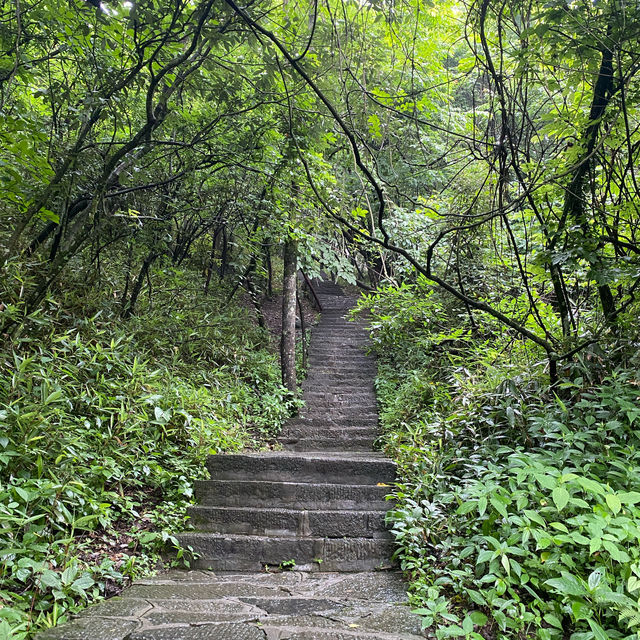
(104, 425)
(518, 512)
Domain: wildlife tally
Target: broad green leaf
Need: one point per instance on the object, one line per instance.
(613, 502)
(478, 618)
(466, 507)
(499, 506)
(567, 585)
(560, 497)
(504, 560)
(598, 632)
(534, 517)
(591, 486)
(50, 579)
(553, 621)
(594, 579)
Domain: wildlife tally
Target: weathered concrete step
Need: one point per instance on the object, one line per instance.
(340, 361)
(252, 553)
(340, 388)
(337, 409)
(338, 354)
(314, 467)
(339, 378)
(200, 605)
(340, 397)
(348, 372)
(350, 340)
(336, 331)
(338, 312)
(335, 335)
(292, 495)
(330, 444)
(338, 319)
(356, 377)
(322, 422)
(320, 416)
(331, 385)
(290, 522)
(313, 633)
(335, 441)
(327, 431)
(351, 343)
(343, 416)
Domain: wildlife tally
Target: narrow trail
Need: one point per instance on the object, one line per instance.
(317, 506)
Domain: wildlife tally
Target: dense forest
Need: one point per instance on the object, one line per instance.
(472, 166)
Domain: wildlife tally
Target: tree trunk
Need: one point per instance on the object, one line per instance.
(224, 256)
(212, 257)
(129, 309)
(288, 337)
(269, 265)
(574, 203)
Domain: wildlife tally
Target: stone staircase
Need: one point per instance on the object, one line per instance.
(319, 502)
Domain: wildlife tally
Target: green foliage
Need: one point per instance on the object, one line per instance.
(104, 426)
(523, 506)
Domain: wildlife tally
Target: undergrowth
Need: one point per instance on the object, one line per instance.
(518, 511)
(104, 424)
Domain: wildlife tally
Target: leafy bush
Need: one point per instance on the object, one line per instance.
(103, 428)
(518, 514)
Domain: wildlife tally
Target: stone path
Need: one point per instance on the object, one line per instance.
(317, 507)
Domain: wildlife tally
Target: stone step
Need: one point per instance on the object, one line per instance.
(278, 466)
(339, 378)
(338, 323)
(347, 369)
(340, 392)
(351, 338)
(344, 385)
(326, 351)
(350, 344)
(322, 422)
(340, 359)
(324, 418)
(283, 523)
(201, 605)
(340, 397)
(319, 441)
(339, 388)
(338, 318)
(336, 410)
(347, 418)
(330, 444)
(291, 495)
(252, 553)
(365, 371)
(289, 434)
